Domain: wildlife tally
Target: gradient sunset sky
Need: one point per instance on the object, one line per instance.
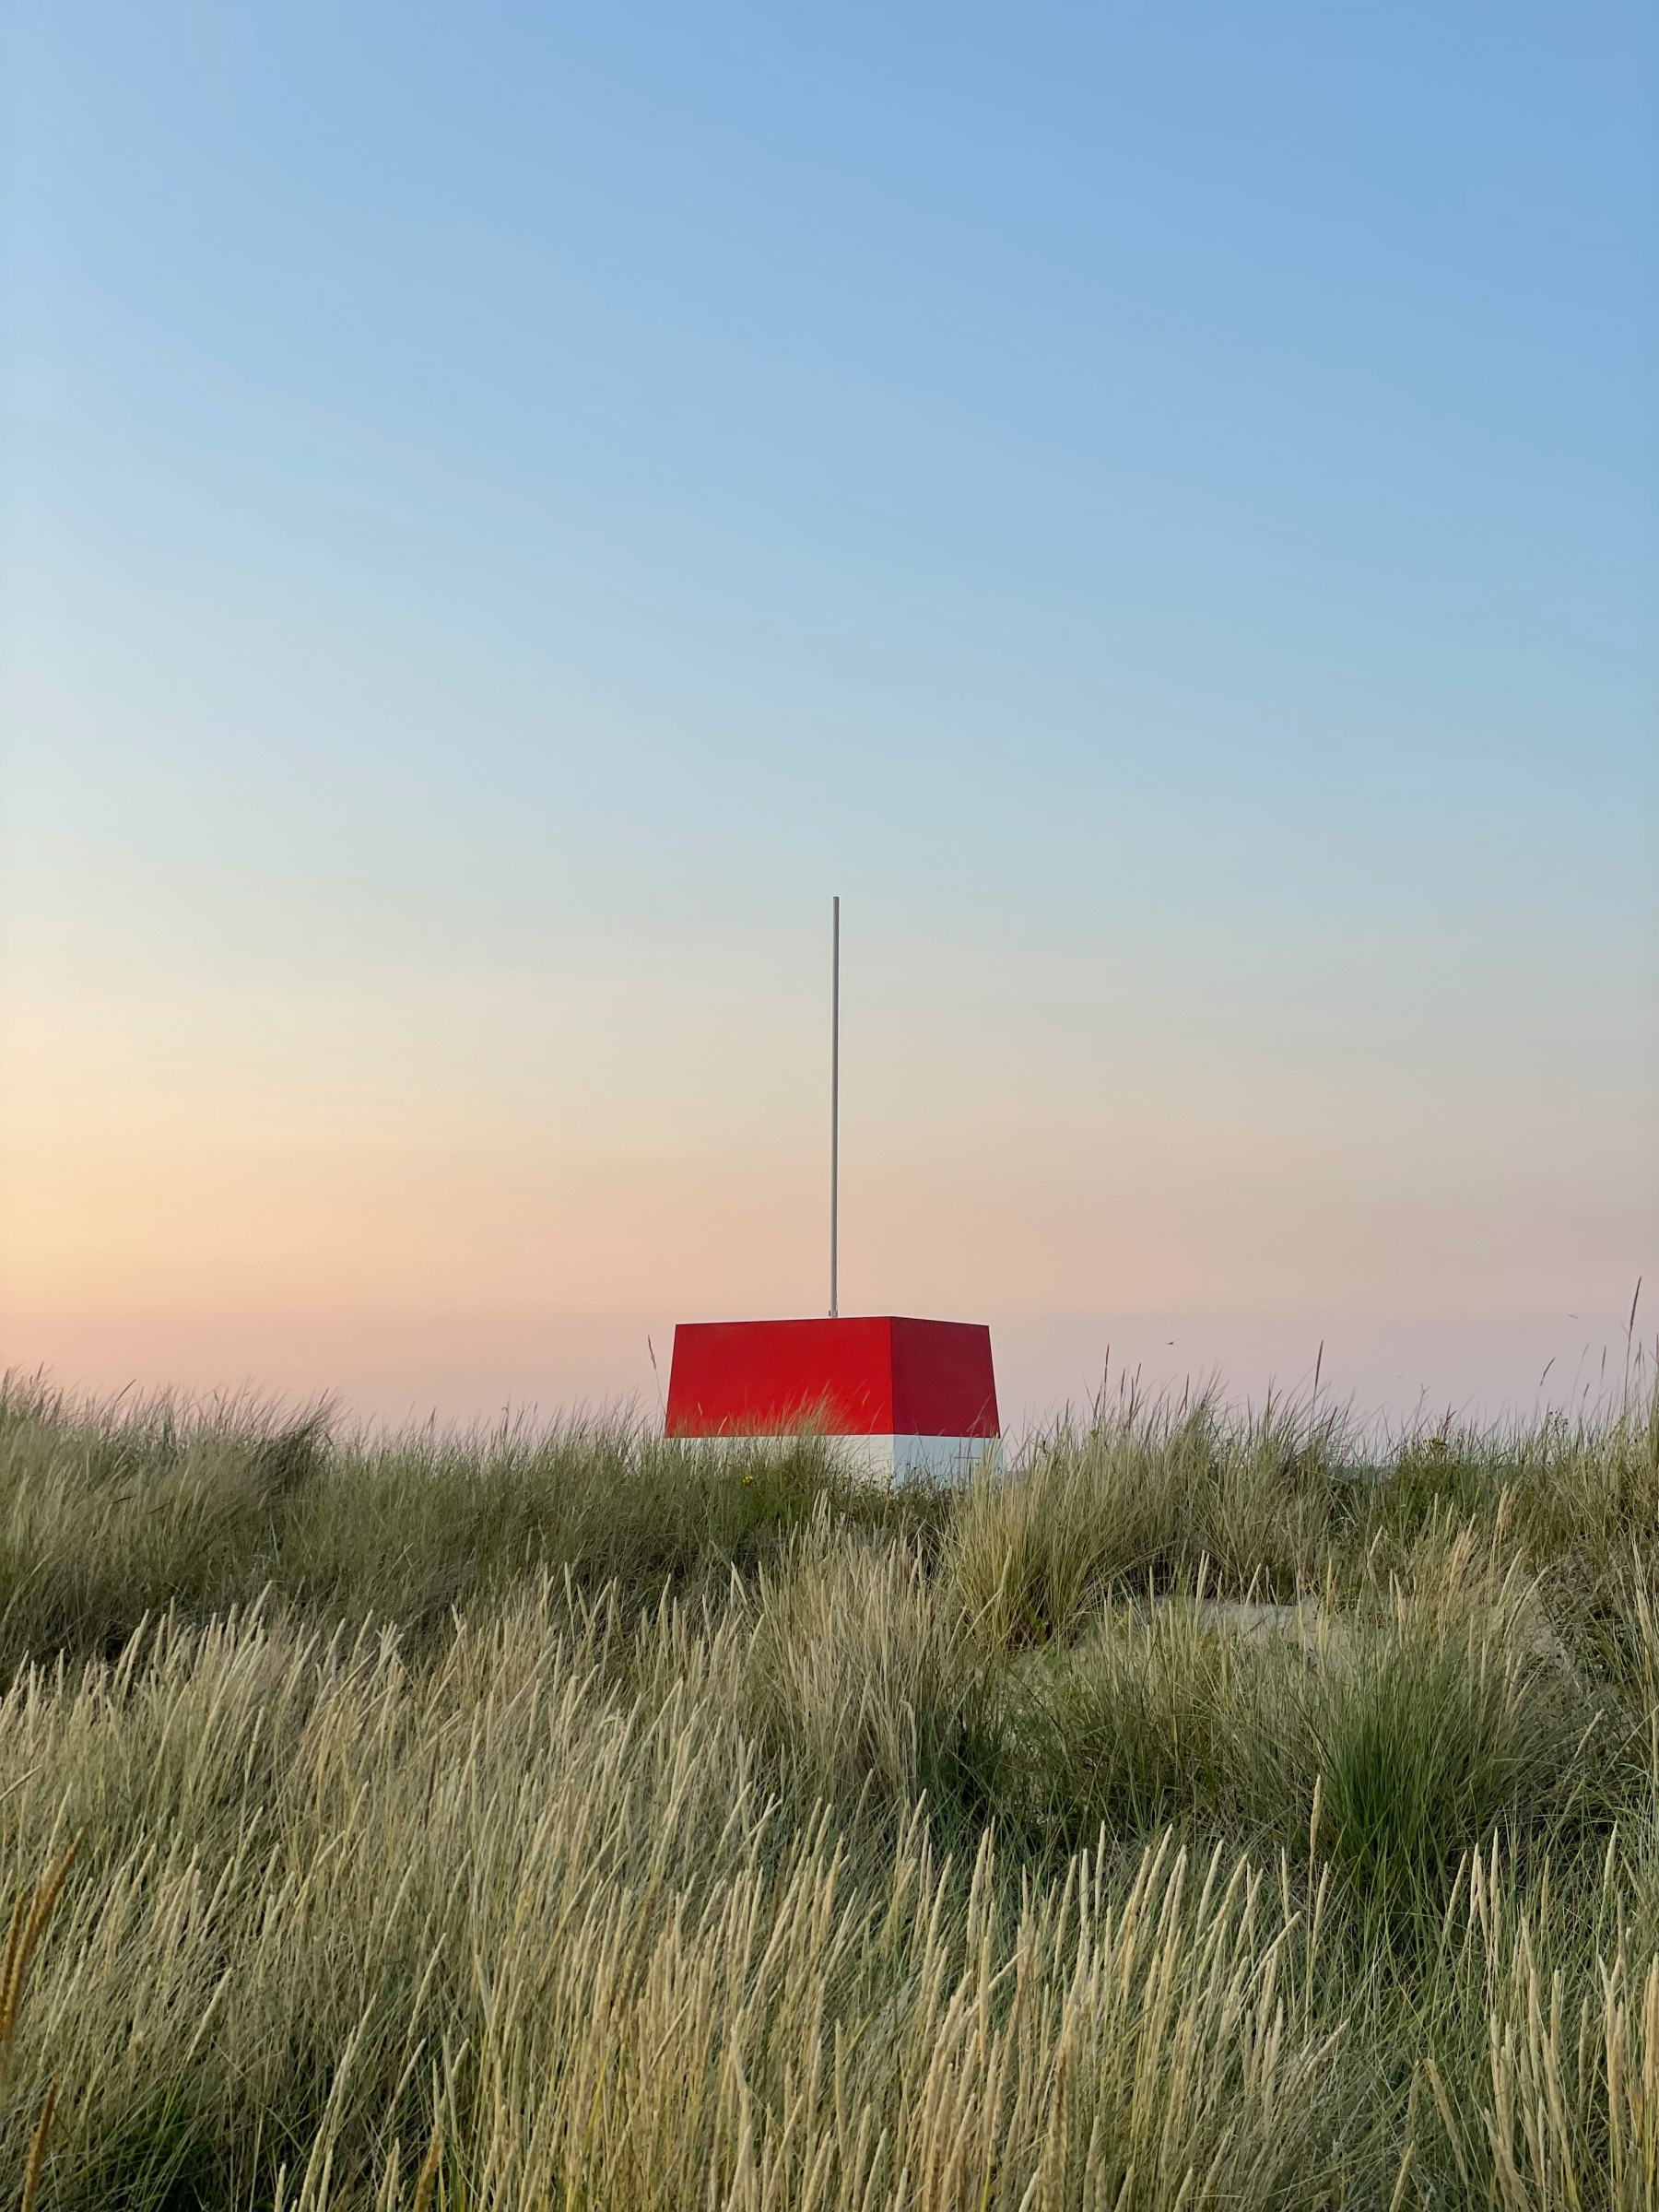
(506, 508)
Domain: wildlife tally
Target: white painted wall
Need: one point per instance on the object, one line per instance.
(893, 1460)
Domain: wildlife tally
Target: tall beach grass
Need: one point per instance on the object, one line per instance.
(1209, 1810)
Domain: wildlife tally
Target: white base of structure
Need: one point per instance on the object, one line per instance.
(891, 1461)
(901, 1459)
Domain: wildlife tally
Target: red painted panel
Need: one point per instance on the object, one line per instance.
(944, 1384)
(864, 1376)
(761, 1377)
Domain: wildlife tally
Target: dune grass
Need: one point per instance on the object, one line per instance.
(1210, 1810)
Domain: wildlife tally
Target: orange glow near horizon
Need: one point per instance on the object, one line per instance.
(180, 1214)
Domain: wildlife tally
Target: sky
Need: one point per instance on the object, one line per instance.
(504, 510)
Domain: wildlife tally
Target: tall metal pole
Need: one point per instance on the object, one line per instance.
(834, 1095)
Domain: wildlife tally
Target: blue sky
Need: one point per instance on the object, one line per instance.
(507, 508)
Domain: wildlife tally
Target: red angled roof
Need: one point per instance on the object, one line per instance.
(863, 1376)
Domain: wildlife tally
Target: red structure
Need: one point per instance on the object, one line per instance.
(910, 1396)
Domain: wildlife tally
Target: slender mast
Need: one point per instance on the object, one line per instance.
(834, 1095)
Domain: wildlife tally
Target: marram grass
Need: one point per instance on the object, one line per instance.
(553, 1820)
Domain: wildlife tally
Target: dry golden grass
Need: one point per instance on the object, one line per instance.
(768, 1845)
